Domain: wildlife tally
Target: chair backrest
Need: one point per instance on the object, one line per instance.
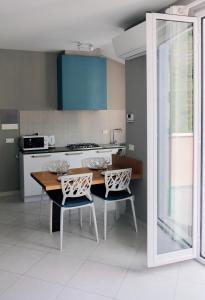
(117, 180)
(76, 186)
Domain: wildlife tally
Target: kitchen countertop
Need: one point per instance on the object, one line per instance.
(65, 149)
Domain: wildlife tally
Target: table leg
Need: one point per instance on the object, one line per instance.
(56, 217)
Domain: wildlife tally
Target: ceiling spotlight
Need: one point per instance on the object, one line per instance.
(79, 46)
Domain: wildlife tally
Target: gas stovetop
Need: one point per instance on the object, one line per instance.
(82, 146)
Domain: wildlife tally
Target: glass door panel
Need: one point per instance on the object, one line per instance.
(175, 135)
(172, 138)
(202, 250)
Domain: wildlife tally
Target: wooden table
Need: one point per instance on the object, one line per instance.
(49, 181)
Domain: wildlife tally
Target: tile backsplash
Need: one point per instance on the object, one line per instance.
(74, 126)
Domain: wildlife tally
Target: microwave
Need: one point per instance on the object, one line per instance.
(33, 142)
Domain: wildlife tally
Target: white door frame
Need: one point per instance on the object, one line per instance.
(202, 203)
(153, 258)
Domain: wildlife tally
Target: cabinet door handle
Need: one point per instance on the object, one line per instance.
(40, 155)
(103, 151)
(73, 153)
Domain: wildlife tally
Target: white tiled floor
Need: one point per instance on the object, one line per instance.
(32, 267)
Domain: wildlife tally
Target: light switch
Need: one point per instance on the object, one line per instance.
(104, 131)
(9, 140)
(9, 126)
(131, 147)
(130, 117)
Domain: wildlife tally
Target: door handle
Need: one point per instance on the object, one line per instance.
(73, 153)
(103, 151)
(40, 155)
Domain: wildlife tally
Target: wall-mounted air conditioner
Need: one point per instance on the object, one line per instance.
(132, 42)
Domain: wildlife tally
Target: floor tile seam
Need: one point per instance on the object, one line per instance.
(151, 271)
(60, 293)
(44, 255)
(107, 264)
(66, 254)
(62, 285)
(36, 277)
(30, 235)
(4, 252)
(6, 270)
(11, 272)
(121, 283)
(89, 292)
(12, 284)
(81, 290)
(131, 248)
(17, 228)
(76, 271)
(17, 273)
(31, 247)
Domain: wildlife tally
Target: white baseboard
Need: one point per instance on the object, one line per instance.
(10, 193)
(35, 198)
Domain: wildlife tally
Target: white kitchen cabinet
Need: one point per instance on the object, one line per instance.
(30, 189)
(106, 153)
(33, 163)
(74, 158)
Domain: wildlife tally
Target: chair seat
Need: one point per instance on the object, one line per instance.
(99, 191)
(57, 197)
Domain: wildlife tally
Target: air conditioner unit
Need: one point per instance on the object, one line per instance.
(132, 42)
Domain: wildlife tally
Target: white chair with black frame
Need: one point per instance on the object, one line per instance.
(75, 194)
(116, 189)
(95, 163)
(55, 166)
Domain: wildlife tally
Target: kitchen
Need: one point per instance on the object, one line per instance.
(32, 102)
(40, 115)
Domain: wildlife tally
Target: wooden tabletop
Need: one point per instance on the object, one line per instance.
(50, 182)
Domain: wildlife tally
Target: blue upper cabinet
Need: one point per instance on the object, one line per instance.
(82, 82)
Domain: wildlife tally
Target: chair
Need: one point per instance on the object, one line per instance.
(116, 189)
(94, 163)
(75, 194)
(47, 166)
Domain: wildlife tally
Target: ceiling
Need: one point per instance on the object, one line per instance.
(52, 25)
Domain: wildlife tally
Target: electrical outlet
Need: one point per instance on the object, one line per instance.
(104, 131)
(9, 140)
(131, 147)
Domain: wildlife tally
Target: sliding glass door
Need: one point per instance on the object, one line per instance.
(202, 249)
(173, 138)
